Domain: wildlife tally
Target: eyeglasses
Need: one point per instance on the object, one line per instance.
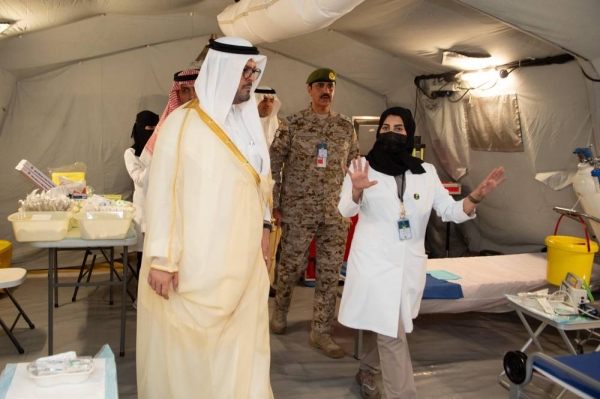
(248, 72)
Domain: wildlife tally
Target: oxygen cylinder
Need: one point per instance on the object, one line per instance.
(586, 189)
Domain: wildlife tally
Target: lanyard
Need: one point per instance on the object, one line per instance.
(401, 196)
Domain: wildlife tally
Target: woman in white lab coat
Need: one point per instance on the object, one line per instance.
(393, 193)
(145, 122)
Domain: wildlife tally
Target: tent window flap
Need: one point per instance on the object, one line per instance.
(493, 123)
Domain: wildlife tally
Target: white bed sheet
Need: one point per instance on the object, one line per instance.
(485, 280)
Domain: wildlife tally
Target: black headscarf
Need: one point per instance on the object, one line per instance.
(139, 134)
(398, 161)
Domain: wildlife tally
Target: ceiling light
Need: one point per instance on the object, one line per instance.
(480, 78)
(466, 62)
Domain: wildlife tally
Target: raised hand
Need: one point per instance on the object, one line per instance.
(360, 176)
(489, 184)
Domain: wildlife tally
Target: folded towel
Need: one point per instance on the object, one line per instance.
(441, 289)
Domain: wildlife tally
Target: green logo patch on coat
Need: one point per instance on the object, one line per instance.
(417, 196)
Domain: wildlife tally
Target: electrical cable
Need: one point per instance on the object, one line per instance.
(418, 84)
(461, 97)
(589, 77)
(505, 70)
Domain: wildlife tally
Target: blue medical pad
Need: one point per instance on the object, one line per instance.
(443, 275)
(441, 289)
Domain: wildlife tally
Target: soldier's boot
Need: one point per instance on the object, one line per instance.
(278, 322)
(326, 344)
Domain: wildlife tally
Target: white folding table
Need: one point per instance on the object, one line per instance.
(560, 323)
(73, 241)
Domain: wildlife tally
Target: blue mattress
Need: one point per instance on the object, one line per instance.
(588, 364)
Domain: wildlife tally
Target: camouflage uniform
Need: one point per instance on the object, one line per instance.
(308, 196)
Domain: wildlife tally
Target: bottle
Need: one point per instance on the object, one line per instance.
(586, 189)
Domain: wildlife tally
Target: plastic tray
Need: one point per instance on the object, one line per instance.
(40, 226)
(67, 371)
(104, 225)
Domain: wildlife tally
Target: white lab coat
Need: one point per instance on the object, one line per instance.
(137, 171)
(385, 275)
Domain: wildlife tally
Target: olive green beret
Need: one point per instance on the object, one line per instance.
(321, 75)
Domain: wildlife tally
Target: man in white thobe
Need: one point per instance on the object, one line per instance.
(202, 310)
(268, 108)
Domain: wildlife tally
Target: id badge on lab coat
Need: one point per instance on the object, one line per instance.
(404, 229)
(321, 155)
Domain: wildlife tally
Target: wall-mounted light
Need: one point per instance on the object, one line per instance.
(478, 79)
(447, 83)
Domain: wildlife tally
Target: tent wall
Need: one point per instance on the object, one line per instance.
(571, 26)
(85, 112)
(7, 86)
(555, 119)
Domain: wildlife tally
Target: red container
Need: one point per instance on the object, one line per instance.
(309, 273)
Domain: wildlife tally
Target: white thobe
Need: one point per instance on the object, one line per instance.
(205, 207)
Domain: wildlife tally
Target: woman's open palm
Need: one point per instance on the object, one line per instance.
(360, 176)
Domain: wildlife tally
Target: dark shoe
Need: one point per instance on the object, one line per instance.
(278, 322)
(326, 344)
(368, 388)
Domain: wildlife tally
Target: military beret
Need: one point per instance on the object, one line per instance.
(321, 75)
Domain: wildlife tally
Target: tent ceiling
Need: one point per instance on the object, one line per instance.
(50, 34)
(570, 25)
(36, 15)
(422, 30)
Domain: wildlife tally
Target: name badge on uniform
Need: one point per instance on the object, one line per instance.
(321, 155)
(404, 229)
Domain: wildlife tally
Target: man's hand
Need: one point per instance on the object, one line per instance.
(277, 216)
(159, 281)
(266, 238)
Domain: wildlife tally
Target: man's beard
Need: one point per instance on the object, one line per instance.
(241, 96)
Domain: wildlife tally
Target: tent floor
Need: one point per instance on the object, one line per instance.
(454, 355)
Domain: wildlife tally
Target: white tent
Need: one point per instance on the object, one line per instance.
(73, 75)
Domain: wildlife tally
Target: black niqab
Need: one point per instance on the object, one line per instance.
(140, 134)
(397, 161)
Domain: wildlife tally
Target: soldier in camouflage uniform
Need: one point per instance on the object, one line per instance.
(313, 148)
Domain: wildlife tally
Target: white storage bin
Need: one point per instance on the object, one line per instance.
(40, 226)
(104, 225)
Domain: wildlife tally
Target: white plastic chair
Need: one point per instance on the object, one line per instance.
(9, 278)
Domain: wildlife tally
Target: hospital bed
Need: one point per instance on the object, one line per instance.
(485, 280)
(577, 374)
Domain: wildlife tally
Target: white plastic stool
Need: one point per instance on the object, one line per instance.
(9, 278)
